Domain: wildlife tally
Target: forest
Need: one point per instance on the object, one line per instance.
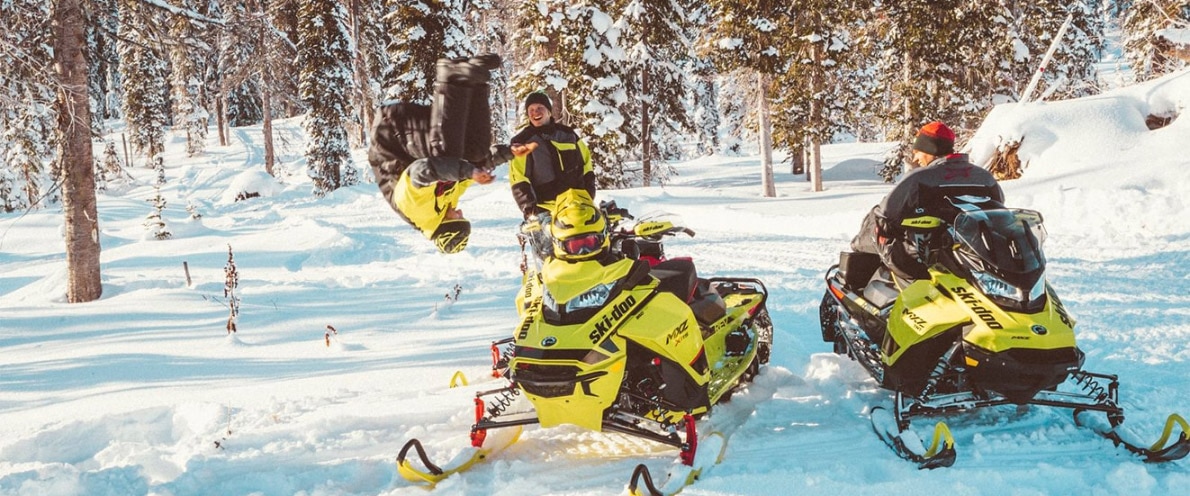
(645, 82)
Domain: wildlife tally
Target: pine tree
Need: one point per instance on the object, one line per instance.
(486, 28)
(324, 59)
(187, 56)
(369, 63)
(1146, 49)
(575, 57)
(1027, 32)
(807, 108)
(145, 79)
(103, 76)
(26, 114)
(746, 36)
(926, 68)
(154, 222)
(654, 34)
(704, 87)
(421, 32)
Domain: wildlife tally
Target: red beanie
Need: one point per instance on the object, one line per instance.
(935, 139)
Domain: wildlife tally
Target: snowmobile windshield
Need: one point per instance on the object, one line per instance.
(1006, 241)
(654, 225)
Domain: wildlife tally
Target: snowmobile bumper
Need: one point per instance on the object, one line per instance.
(1018, 374)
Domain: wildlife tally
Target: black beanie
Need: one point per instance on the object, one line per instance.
(538, 97)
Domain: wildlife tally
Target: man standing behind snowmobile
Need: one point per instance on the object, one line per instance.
(560, 162)
(938, 173)
(425, 157)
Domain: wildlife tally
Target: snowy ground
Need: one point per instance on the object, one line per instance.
(143, 391)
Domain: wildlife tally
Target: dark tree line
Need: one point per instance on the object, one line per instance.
(646, 82)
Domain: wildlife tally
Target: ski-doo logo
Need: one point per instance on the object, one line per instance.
(1062, 315)
(1039, 330)
(609, 319)
(549, 341)
(984, 314)
(679, 334)
(524, 332)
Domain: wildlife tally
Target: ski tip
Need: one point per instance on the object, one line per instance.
(1160, 452)
(639, 475)
(458, 379)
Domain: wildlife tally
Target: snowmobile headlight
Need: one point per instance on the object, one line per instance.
(1038, 289)
(548, 300)
(593, 298)
(996, 287)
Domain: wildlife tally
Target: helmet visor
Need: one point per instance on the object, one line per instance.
(583, 244)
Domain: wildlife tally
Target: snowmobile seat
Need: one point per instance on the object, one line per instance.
(650, 251)
(881, 290)
(708, 304)
(676, 276)
(857, 268)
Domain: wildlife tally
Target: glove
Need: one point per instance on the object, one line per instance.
(500, 154)
(531, 225)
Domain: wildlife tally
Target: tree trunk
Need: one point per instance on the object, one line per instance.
(816, 120)
(363, 99)
(78, 172)
(646, 165)
(766, 137)
(266, 104)
(267, 128)
(221, 117)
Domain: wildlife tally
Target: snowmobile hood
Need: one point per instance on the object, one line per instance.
(566, 280)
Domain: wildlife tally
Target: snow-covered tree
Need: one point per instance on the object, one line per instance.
(750, 36)
(26, 113)
(654, 35)
(188, 53)
(1147, 50)
(324, 60)
(421, 32)
(103, 73)
(154, 222)
(575, 56)
(487, 27)
(145, 79)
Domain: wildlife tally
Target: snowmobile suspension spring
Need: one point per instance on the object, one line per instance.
(502, 401)
(1089, 384)
(940, 368)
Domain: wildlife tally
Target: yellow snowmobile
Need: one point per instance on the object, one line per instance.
(612, 342)
(609, 342)
(984, 329)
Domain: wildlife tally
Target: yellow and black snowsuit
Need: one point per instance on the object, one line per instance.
(561, 161)
(420, 188)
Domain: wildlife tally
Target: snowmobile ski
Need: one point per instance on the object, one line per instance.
(1111, 429)
(709, 451)
(907, 445)
(431, 474)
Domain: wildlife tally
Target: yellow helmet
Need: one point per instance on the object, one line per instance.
(452, 235)
(578, 227)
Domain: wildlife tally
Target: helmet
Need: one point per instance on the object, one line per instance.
(452, 235)
(578, 228)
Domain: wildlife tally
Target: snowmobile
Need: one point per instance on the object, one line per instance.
(610, 341)
(984, 329)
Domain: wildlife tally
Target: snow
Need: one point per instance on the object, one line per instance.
(143, 391)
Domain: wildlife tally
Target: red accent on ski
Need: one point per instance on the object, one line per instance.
(478, 435)
(691, 446)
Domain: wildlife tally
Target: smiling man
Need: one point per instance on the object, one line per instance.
(561, 161)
